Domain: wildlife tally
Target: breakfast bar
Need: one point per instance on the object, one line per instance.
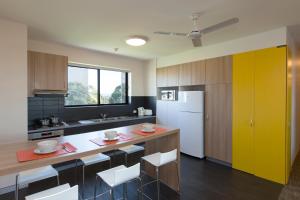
(165, 140)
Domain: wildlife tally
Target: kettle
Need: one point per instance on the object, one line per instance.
(141, 111)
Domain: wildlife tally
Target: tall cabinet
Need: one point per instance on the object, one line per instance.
(260, 113)
(218, 109)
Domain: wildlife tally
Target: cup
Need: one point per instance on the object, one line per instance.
(148, 127)
(47, 146)
(111, 134)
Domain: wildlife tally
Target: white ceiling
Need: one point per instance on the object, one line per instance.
(104, 24)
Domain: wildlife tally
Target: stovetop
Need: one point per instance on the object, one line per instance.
(38, 127)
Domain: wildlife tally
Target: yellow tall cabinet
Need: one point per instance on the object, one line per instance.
(260, 110)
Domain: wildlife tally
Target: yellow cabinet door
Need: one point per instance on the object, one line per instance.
(243, 108)
(270, 114)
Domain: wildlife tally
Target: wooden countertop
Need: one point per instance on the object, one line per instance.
(85, 147)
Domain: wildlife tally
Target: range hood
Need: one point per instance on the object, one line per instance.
(50, 93)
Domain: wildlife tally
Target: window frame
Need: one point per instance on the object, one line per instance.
(98, 91)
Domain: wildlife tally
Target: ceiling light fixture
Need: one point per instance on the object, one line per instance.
(136, 41)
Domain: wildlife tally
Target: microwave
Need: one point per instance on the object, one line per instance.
(168, 95)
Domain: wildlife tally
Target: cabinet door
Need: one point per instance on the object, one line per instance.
(50, 71)
(218, 122)
(270, 114)
(185, 74)
(218, 70)
(161, 112)
(172, 109)
(58, 71)
(243, 108)
(41, 72)
(198, 73)
(173, 75)
(161, 77)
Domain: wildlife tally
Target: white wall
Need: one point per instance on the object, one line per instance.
(258, 41)
(13, 82)
(13, 86)
(150, 78)
(84, 56)
(295, 82)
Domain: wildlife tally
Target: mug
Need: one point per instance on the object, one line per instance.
(148, 127)
(110, 134)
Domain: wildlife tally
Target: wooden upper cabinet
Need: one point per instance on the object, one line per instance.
(161, 77)
(185, 75)
(173, 75)
(47, 72)
(218, 70)
(167, 76)
(198, 73)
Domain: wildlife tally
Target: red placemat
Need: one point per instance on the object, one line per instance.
(122, 137)
(28, 154)
(158, 130)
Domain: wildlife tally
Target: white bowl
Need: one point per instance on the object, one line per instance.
(47, 146)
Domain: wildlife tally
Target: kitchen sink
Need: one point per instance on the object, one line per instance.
(90, 121)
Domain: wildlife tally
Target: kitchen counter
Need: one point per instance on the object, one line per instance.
(162, 142)
(77, 124)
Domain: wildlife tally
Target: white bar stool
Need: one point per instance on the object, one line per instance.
(117, 176)
(160, 159)
(62, 192)
(90, 160)
(130, 150)
(33, 175)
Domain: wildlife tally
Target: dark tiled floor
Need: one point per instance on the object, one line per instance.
(292, 190)
(200, 179)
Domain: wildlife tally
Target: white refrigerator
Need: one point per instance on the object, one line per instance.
(190, 120)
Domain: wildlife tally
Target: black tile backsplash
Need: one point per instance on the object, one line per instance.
(81, 113)
(42, 107)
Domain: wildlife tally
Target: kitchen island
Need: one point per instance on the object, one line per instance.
(160, 142)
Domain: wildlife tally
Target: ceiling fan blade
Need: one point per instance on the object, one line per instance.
(170, 33)
(162, 33)
(220, 25)
(197, 42)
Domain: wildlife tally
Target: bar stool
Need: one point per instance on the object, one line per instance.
(160, 159)
(117, 176)
(33, 175)
(91, 160)
(130, 150)
(62, 192)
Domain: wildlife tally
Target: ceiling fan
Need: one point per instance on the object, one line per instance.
(196, 34)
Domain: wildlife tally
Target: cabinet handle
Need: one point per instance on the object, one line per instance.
(251, 123)
(206, 117)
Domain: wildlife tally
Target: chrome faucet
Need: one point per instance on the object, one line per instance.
(103, 116)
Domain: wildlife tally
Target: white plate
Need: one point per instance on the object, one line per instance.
(37, 151)
(115, 138)
(148, 130)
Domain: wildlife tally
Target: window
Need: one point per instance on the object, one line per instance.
(87, 86)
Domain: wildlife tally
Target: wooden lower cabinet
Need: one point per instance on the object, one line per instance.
(218, 122)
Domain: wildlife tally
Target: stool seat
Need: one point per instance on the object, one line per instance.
(158, 159)
(33, 175)
(61, 192)
(93, 159)
(132, 149)
(120, 174)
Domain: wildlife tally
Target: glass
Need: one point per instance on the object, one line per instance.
(112, 87)
(82, 86)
